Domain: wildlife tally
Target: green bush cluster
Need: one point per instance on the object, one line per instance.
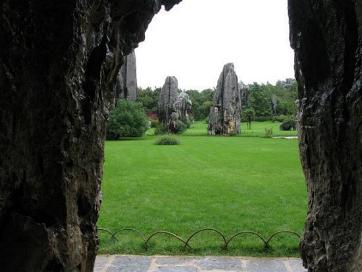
(179, 128)
(128, 119)
(288, 125)
(154, 123)
(167, 140)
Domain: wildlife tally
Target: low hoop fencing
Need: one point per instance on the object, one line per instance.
(225, 242)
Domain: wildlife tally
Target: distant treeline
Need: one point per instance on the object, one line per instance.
(259, 101)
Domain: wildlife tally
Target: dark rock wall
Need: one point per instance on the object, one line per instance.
(327, 38)
(58, 65)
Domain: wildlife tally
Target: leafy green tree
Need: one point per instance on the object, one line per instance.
(128, 119)
(249, 114)
(201, 103)
(149, 99)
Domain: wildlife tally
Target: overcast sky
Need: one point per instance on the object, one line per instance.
(197, 37)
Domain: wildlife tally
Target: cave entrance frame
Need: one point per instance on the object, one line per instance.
(57, 64)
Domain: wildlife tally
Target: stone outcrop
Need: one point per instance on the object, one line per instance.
(126, 87)
(225, 114)
(168, 96)
(183, 107)
(327, 38)
(59, 61)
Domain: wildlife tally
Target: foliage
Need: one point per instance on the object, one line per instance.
(201, 103)
(262, 96)
(280, 118)
(180, 128)
(128, 119)
(154, 123)
(167, 140)
(288, 125)
(149, 98)
(268, 133)
(161, 129)
(249, 115)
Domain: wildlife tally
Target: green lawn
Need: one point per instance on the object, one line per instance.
(199, 128)
(228, 183)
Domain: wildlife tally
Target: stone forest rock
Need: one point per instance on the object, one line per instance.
(327, 38)
(58, 66)
(183, 107)
(127, 78)
(174, 108)
(224, 118)
(168, 96)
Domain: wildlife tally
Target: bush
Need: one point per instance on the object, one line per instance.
(161, 129)
(263, 118)
(180, 128)
(154, 123)
(268, 133)
(128, 119)
(288, 125)
(167, 140)
(280, 118)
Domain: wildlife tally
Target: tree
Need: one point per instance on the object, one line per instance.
(128, 119)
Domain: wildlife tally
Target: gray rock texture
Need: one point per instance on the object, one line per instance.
(327, 38)
(224, 118)
(183, 107)
(59, 61)
(168, 96)
(126, 87)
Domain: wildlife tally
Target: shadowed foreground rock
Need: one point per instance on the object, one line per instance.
(58, 65)
(327, 38)
(224, 118)
(127, 78)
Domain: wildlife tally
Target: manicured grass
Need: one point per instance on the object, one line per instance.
(199, 128)
(228, 183)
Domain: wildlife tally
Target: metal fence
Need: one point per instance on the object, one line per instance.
(186, 242)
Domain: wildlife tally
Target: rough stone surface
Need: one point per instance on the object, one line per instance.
(327, 38)
(168, 96)
(58, 66)
(224, 118)
(183, 107)
(126, 87)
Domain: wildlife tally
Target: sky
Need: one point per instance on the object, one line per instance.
(196, 38)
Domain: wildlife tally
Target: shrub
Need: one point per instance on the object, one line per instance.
(175, 128)
(180, 128)
(128, 119)
(268, 133)
(154, 123)
(288, 125)
(161, 129)
(279, 118)
(263, 118)
(167, 140)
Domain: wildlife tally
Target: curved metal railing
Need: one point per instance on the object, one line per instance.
(186, 242)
